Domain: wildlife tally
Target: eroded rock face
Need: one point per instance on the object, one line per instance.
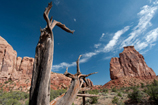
(7, 60)
(130, 64)
(59, 81)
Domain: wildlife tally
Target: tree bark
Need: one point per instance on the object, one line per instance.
(40, 83)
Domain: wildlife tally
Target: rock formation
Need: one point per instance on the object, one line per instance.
(130, 64)
(89, 83)
(59, 81)
(19, 70)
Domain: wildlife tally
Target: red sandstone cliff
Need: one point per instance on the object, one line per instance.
(16, 72)
(130, 64)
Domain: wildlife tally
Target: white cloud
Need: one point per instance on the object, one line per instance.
(74, 20)
(115, 38)
(97, 45)
(155, 2)
(102, 36)
(136, 37)
(146, 14)
(152, 36)
(108, 57)
(88, 55)
(147, 40)
(140, 45)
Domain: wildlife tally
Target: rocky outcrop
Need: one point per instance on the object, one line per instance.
(59, 81)
(130, 64)
(18, 71)
(89, 83)
(11, 66)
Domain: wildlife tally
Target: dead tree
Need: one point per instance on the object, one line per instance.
(40, 83)
(76, 83)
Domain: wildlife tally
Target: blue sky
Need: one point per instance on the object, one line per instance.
(102, 29)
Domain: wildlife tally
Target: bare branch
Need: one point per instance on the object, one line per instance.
(84, 75)
(62, 26)
(46, 13)
(51, 19)
(81, 82)
(78, 67)
(68, 74)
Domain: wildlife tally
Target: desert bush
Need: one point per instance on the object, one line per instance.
(94, 100)
(136, 95)
(155, 83)
(138, 86)
(152, 91)
(27, 102)
(114, 89)
(105, 90)
(12, 98)
(115, 100)
(95, 91)
(56, 93)
(142, 85)
(119, 94)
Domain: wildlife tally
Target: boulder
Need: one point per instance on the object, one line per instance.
(130, 64)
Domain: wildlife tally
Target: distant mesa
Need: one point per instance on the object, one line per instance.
(130, 64)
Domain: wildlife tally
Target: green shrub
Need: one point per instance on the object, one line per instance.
(94, 100)
(155, 83)
(119, 94)
(136, 95)
(105, 90)
(95, 91)
(12, 98)
(6, 82)
(11, 101)
(138, 86)
(152, 91)
(115, 100)
(114, 89)
(56, 93)
(27, 102)
(142, 85)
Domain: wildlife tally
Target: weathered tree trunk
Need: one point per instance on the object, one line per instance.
(76, 83)
(40, 84)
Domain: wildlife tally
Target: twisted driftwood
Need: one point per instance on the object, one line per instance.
(76, 83)
(40, 84)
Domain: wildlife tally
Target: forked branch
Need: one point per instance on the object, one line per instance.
(78, 74)
(46, 13)
(68, 74)
(51, 23)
